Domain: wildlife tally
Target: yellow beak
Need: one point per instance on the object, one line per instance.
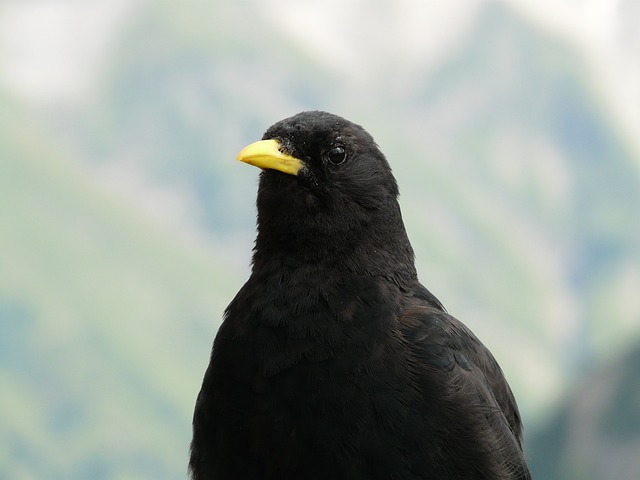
(267, 154)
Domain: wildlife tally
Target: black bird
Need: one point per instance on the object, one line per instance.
(333, 361)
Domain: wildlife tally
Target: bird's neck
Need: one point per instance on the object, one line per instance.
(316, 285)
(335, 249)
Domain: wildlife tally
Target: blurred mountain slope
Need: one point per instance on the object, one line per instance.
(596, 434)
(95, 358)
(527, 198)
(188, 88)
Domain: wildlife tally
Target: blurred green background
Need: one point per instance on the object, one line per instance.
(126, 225)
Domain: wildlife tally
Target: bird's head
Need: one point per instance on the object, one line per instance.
(326, 161)
(325, 185)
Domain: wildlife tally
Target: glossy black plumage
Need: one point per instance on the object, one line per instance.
(333, 361)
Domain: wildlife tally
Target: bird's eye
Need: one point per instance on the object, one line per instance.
(336, 155)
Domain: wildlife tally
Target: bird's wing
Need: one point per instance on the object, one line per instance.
(471, 379)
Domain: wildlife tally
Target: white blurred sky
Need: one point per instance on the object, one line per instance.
(54, 50)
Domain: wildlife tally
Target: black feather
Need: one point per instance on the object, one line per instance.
(333, 362)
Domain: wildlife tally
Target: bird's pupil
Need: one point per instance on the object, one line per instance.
(337, 155)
